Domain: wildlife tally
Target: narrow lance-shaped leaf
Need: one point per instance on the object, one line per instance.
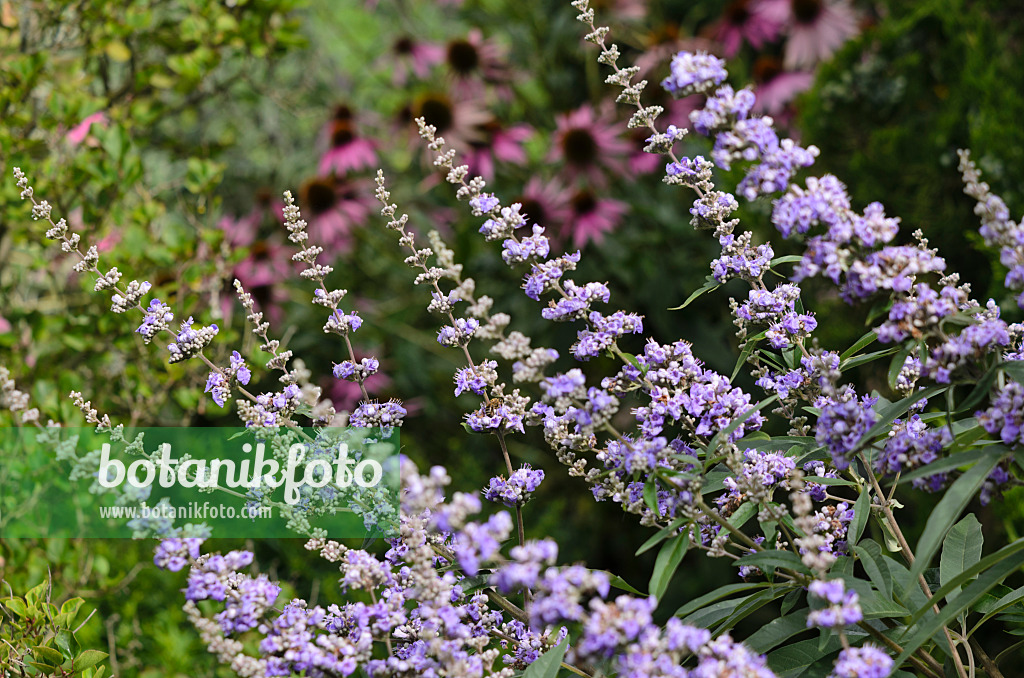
(669, 557)
(547, 665)
(960, 549)
(949, 508)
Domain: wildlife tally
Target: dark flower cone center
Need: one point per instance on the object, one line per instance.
(766, 68)
(737, 13)
(264, 197)
(342, 134)
(484, 134)
(342, 112)
(463, 57)
(320, 196)
(584, 202)
(534, 210)
(346, 193)
(260, 250)
(403, 46)
(667, 32)
(438, 112)
(579, 147)
(806, 11)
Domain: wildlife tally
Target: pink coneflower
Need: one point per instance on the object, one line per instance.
(458, 121)
(410, 55)
(473, 57)
(817, 29)
(333, 207)
(496, 142)
(776, 87)
(79, 132)
(589, 144)
(5, 325)
(754, 21)
(347, 151)
(476, 63)
(269, 262)
(545, 202)
(592, 217)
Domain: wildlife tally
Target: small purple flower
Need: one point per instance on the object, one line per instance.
(693, 73)
(866, 661)
(518, 489)
(843, 608)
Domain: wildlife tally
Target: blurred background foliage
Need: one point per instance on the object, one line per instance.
(166, 130)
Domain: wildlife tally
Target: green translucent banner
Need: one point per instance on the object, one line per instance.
(219, 482)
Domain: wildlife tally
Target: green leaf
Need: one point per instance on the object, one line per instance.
(669, 557)
(870, 554)
(960, 549)
(70, 607)
(985, 563)
(47, 655)
(980, 391)
(89, 658)
(1011, 598)
(547, 664)
(44, 668)
(651, 495)
(861, 511)
(36, 594)
(745, 512)
(749, 606)
(896, 366)
(953, 461)
(716, 595)
(790, 601)
(865, 340)
(661, 535)
(793, 660)
(859, 360)
(620, 583)
(777, 631)
(15, 605)
(749, 345)
(765, 560)
(709, 284)
(786, 259)
(963, 601)
(66, 643)
(948, 510)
